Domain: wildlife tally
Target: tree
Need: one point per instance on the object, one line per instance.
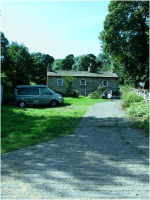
(40, 64)
(67, 62)
(20, 64)
(104, 58)
(126, 39)
(83, 62)
(4, 53)
(56, 64)
(68, 81)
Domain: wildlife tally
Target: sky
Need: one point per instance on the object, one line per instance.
(57, 28)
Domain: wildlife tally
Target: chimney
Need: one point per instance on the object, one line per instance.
(90, 68)
(112, 70)
(49, 68)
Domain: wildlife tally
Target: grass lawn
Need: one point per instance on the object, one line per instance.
(22, 127)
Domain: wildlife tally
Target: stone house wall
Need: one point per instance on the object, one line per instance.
(91, 84)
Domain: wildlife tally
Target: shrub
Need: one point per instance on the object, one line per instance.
(100, 89)
(95, 95)
(140, 109)
(129, 98)
(75, 93)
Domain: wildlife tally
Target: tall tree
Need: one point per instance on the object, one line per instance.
(126, 39)
(40, 64)
(4, 53)
(20, 64)
(104, 58)
(84, 61)
(56, 64)
(67, 62)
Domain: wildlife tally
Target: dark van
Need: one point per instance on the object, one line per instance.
(36, 95)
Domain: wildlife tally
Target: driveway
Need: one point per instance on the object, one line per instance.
(105, 158)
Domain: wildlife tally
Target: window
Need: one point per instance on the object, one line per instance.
(83, 82)
(59, 82)
(45, 91)
(21, 91)
(104, 83)
(36, 91)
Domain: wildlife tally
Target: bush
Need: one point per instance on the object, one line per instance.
(140, 109)
(68, 93)
(95, 95)
(129, 98)
(75, 93)
(100, 89)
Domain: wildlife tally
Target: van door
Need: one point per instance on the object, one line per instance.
(32, 96)
(45, 96)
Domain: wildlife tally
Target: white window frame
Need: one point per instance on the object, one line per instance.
(103, 83)
(81, 84)
(58, 82)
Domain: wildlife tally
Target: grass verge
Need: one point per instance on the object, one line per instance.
(32, 125)
(137, 108)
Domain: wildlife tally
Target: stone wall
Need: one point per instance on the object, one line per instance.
(144, 93)
(91, 84)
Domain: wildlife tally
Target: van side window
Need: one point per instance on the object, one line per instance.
(36, 91)
(45, 91)
(21, 91)
(29, 91)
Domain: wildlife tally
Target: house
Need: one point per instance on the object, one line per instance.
(85, 82)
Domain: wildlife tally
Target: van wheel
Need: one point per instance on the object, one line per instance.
(54, 103)
(22, 104)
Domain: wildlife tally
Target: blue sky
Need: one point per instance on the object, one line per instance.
(57, 28)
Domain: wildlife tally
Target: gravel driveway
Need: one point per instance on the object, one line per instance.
(105, 158)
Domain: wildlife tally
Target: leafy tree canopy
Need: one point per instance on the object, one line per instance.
(104, 58)
(56, 64)
(126, 39)
(4, 54)
(20, 64)
(67, 62)
(40, 64)
(83, 62)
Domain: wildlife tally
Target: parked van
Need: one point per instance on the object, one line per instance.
(36, 95)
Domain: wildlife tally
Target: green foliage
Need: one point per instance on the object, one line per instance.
(39, 69)
(67, 62)
(104, 58)
(20, 64)
(68, 81)
(98, 94)
(139, 109)
(4, 53)
(83, 62)
(100, 89)
(56, 64)
(129, 98)
(95, 95)
(125, 38)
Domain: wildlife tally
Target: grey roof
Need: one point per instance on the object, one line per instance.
(82, 74)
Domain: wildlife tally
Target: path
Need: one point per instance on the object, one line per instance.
(105, 158)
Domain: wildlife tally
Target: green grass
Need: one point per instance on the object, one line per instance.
(32, 125)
